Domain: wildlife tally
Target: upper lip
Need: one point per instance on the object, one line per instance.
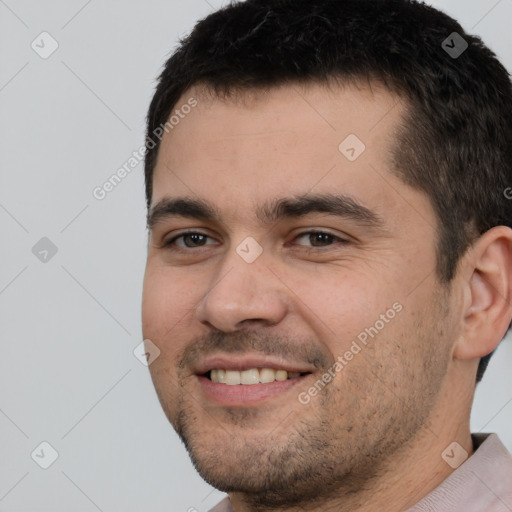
(240, 363)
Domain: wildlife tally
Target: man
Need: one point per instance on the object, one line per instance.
(330, 257)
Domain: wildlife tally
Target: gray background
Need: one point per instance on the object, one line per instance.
(68, 375)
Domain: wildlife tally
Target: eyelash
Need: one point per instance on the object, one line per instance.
(170, 244)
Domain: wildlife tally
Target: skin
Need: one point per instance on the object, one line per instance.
(373, 437)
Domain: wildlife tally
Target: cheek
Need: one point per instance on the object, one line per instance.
(342, 304)
(161, 314)
(167, 298)
(165, 308)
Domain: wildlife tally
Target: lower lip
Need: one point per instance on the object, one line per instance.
(242, 395)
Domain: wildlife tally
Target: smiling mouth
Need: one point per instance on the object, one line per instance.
(251, 376)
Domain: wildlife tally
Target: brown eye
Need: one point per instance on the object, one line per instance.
(188, 240)
(319, 239)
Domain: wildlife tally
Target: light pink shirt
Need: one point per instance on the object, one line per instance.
(481, 484)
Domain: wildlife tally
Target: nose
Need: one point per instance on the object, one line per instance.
(242, 294)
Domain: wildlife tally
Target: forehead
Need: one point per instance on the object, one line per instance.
(289, 140)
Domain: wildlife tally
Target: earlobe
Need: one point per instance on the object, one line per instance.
(488, 294)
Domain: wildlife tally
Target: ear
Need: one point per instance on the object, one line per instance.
(487, 294)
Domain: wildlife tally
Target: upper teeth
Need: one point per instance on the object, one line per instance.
(252, 376)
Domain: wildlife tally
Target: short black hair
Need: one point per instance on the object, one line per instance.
(456, 141)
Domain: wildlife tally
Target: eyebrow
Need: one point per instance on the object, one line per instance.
(339, 205)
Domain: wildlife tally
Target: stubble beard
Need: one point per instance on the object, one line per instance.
(340, 443)
(335, 451)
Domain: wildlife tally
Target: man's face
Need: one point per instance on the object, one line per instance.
(272, 281)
